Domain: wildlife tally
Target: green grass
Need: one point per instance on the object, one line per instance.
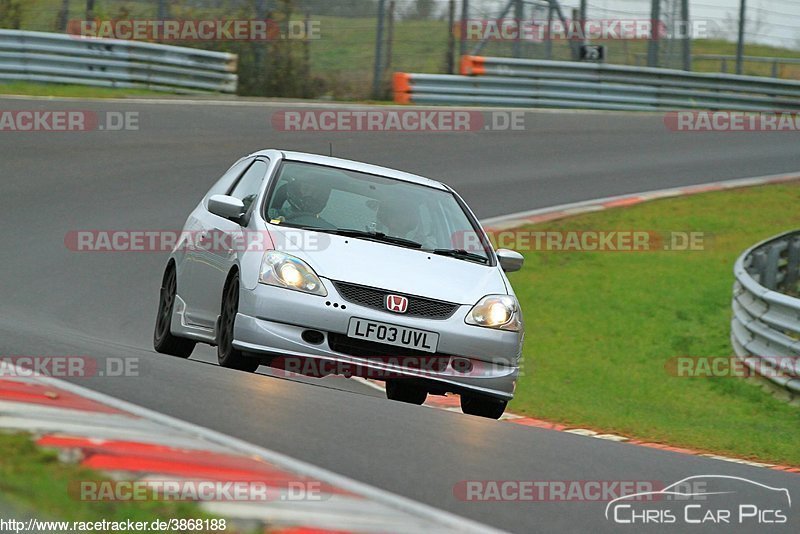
(33, 480)
(74, 91)
(602, 325)
(348, 46)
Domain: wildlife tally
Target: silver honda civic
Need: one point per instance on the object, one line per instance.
(320, 266)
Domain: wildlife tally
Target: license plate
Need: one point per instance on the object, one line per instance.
(391, 334)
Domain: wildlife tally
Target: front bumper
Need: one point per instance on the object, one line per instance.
(271, 321)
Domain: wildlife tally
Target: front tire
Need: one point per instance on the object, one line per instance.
(163, 340)
(398, 390)
(483, 406)
(227, 355)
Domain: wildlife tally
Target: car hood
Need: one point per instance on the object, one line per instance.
(390, 267)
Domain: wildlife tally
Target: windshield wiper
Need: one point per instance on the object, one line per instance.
(460, 253)
(376, 236)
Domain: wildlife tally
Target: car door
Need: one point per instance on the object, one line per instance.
(189, 256)
(217, 252)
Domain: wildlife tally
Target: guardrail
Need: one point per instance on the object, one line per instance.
(765, 329)
(58, 58)
(564, 84)
(725, 60)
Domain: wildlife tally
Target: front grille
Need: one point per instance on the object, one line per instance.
(374, 298)
(388, 354)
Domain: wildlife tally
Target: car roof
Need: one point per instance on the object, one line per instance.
(351, 165)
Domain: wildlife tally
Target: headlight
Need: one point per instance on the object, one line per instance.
(496, 311)
(283, 270)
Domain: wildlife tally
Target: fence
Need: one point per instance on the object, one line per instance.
(57, 58)
(562, 84)
(777, 67)
(421, 36)
(765, 330)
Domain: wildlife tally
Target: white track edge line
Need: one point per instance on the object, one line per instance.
(728, 184)
(370, 492)
(369, 383)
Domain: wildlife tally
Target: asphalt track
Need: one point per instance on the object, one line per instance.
(53, 301)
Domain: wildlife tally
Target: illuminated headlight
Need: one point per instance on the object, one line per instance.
(283, 270)
(496, 311)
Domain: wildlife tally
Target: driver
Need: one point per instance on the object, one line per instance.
(400, 218)
(305, 197)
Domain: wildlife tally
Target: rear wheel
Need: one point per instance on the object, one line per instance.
(405, 391)
(227, 355)
(163, 340)
(483, 406)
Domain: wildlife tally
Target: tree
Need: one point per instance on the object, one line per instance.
(422, 9)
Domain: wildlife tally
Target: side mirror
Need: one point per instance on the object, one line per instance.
(226, 206)
(510, 261)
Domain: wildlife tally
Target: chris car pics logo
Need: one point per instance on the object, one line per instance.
(704, 500)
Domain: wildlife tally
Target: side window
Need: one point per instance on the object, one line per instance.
(246, 189)
(225, 183)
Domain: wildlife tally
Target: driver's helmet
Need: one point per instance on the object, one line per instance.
(307, 195)
(399, 216)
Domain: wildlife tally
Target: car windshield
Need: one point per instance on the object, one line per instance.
(373, 207)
